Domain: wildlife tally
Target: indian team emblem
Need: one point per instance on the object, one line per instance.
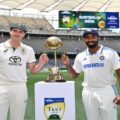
(102, 57)
(54, 108)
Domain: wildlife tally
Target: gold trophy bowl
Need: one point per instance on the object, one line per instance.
(54, 43)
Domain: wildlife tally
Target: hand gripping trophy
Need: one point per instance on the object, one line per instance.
(54, 43)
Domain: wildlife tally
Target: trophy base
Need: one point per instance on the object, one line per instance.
(55, 81)
(55, 78)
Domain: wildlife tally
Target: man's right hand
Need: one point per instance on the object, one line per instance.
(117, 100)
(65, 59)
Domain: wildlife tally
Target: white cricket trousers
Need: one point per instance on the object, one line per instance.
(13, 98)
(98, 103)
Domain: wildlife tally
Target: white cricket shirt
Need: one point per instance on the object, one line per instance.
(98, 68)
(13, 63)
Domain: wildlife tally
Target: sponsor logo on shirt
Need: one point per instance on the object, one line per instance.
(5, 50)
(93, 65)
(15, 60)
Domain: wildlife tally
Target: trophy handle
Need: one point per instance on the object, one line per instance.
(55, 53)
(44, 52)
(62, 45)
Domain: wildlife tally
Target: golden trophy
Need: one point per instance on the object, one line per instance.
(54, 43)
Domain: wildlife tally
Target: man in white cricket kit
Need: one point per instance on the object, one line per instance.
(98, 64)
(14, 58)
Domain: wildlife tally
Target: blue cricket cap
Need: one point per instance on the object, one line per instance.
(94, 32)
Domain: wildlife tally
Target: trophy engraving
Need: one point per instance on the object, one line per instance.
(54, 43)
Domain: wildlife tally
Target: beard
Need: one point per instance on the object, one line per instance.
(92, 44)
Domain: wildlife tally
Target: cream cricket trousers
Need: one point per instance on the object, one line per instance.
(98, 103)
(13, 98)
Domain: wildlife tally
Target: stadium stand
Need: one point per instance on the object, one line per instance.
(4, 24)
(35, 25)
(73, 44)
(39, 29)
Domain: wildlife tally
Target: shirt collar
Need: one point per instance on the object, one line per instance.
(98, 52)
(7, 45)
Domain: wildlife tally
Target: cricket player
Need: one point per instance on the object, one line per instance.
(98, 64)
(15, 57)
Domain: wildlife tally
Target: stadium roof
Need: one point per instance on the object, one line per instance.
(74, 5)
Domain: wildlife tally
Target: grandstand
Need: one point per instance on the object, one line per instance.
(34, 25)
(72, 39)
(39, 28)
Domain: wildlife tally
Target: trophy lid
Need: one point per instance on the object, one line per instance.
(53, 42)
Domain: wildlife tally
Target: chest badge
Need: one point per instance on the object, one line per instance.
(102, 57)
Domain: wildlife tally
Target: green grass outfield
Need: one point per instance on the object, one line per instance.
(30, 110)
